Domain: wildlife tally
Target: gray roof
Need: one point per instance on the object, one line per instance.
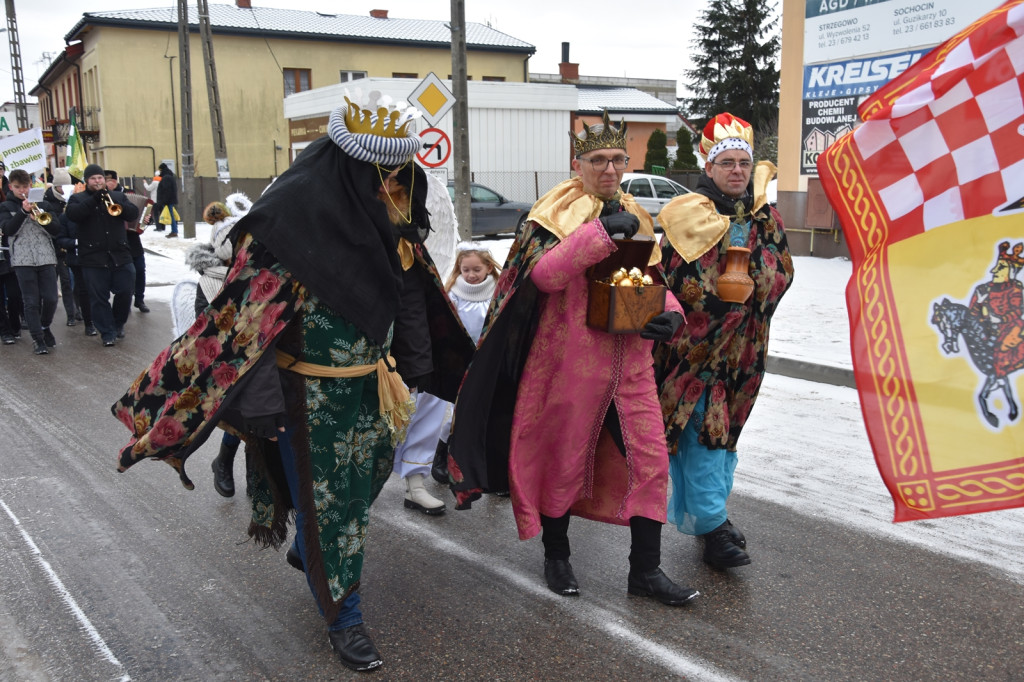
(316, 25)
(625, 100)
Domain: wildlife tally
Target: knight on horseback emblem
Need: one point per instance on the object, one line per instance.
(992, 326)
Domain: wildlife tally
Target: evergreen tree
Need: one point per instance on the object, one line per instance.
(657, 151)
(685, 158)
(736, 49)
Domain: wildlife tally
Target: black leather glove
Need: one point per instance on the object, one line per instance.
(621, 223)
(662, 327)
(269, 426)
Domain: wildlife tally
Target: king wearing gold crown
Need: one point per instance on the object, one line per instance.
(709, 376)
(562, 415)
(330, 292)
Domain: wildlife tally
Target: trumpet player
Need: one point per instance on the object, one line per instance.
(103, 252)
(30, 229)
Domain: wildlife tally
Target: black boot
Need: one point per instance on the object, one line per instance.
(223, 474)
(656, 584)
(738, 538)
(439, 469)
(721, 551)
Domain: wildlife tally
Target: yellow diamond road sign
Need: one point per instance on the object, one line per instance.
(433, 98)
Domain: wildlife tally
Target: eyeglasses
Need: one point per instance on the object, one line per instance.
(599, 164)
(729, 165)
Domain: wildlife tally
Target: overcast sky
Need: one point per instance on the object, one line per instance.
(641, 38)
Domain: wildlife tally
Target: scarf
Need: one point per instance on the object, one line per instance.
(474, 292)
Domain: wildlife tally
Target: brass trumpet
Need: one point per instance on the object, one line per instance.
(41, 216)
(113, 209)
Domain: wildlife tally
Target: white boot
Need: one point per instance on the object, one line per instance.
(416, 497)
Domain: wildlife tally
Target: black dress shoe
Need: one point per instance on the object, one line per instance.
(560, 578)
(39, 348)
(656, 584)
(293, 558)
(90, 330)
(720, 551)
(143, 308)
(72, 321)
(355, 648)
(120, 332)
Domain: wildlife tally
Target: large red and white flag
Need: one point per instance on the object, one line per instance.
(930, 193)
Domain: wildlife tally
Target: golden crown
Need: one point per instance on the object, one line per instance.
(383, 123)
(608, 138)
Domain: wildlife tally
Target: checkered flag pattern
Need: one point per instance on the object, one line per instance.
(948, 142)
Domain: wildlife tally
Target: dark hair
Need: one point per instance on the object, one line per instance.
(111, 174)
(20, 177)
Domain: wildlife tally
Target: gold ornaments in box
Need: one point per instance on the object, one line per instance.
(632, 278)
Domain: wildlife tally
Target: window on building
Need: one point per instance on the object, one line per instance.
(296, 80)
(347, 76)
(469, 78)
(398, 74)
(495, 79)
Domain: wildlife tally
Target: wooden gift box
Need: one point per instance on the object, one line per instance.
(623, 310)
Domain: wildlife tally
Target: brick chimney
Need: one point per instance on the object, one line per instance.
(379, 13)
(569, 72)
(244, 4)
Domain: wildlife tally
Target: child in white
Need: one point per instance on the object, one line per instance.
(470, 287)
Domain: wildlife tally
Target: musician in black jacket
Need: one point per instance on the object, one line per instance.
(103, 251)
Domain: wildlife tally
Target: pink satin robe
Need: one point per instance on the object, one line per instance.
(560, 457)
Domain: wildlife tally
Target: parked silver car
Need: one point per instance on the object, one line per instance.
(651, 191)
(491, 212)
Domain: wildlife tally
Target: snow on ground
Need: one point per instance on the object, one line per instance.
(805, 446)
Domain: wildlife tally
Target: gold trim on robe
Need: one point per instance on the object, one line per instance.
(693, 225)
(567, 205)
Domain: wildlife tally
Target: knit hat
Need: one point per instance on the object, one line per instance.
(91, 170)
(725, 132)
(61, 177)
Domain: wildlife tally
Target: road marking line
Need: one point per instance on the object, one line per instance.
(690, 668)
(58, 585)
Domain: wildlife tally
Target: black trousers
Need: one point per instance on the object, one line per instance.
(39, 293)
(81, 294)
(644, 550)
(11, 307)
(118, 280)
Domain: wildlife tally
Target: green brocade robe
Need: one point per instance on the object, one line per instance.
(349, 443)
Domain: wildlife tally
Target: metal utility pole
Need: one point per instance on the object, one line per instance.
(220, 147)
(460, 121)
(20, 105)
(188, 214)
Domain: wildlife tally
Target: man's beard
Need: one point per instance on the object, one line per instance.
(397, 204)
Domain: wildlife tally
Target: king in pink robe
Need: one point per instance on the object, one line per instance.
(560, 457)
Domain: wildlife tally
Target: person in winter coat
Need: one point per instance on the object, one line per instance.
(167, 197)
(33, 256)
(211, 261)
(103, 251)
(134, 231)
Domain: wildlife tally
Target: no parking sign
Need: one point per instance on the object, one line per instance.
(437, 147)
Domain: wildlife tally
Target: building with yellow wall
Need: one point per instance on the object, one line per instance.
(121, 73)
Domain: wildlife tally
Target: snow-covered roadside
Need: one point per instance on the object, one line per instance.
(805, 448)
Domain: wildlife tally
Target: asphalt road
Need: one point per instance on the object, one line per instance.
(107, 576)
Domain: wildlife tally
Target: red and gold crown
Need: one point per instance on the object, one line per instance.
(608, 138)
(723, 127)
(1015, 258)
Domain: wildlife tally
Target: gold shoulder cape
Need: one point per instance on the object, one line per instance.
(567, 206)
(693, 225)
